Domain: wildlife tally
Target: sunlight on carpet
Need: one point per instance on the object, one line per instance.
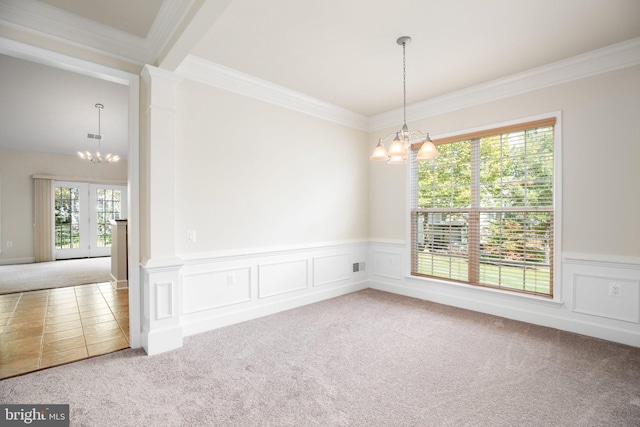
(54, 274)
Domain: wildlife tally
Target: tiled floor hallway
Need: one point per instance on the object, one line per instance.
(40, 329)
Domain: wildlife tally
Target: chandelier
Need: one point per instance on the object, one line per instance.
(97, 157)
(401, 145)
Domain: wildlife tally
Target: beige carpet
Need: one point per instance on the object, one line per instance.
(54, 274)
(365, 359)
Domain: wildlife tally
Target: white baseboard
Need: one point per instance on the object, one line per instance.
(118, 283)
(534, 314)
(200, 293)
(163, 340)
(584, 303)
(254, 311)
(9, 261)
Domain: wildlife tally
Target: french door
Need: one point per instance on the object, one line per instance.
(82, 218)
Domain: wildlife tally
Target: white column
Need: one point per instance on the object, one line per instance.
(161, 329)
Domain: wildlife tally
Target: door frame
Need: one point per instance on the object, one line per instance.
(98, 251)
(88, 232)
(69, 63)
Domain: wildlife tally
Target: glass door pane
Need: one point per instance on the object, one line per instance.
(109, 203)
(67, 227)
(70, 216)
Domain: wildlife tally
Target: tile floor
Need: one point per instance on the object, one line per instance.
(40, 329)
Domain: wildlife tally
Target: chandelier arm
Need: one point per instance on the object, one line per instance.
(420, 134)
(387, 137)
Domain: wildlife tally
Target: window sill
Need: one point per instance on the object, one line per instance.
(514, 296)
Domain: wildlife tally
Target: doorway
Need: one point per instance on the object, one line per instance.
(82, 218)
(132, 304)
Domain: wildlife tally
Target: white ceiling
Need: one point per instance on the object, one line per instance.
(54, 113)
(345, 52)
(134, 17)
(339, 51)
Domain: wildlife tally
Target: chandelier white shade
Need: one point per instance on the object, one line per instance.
(97, 157)
(400, 148)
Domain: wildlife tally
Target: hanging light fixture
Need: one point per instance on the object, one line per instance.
(97, 157)
(401, 146)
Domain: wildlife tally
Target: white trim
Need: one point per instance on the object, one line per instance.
(133, 224)
(614, 57)
(169, 17)
(243, 313)
(168, 292)
(150, 71)
(551, 317)
(212, 74)
(634, 318)
(204, 257)
(616, 261)
(80, 179)
(288, 268)
(161, 265)
(56, 24)
(391, 242)
(513, 296)
(600, 320)
(64, 62)
(9, 261)
(184, 278)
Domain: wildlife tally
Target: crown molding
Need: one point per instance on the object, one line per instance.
(203, 71)
(64, 62)
(170, 15)
(611, 58)
(52, 23)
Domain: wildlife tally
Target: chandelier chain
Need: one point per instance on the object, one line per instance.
(99, 106)
(404, 81)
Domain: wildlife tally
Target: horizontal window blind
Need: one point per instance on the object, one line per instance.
(482, 211)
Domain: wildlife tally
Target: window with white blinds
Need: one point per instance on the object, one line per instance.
(482, 212)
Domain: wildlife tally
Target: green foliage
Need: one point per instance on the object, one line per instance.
(67, 211)
(514, 170)
(445, 182)
(66, 208)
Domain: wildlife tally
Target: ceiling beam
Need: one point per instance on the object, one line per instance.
(201, 17)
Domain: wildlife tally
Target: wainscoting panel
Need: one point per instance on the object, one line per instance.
(160, 293)
(225, 288)
(212, 289)
(164, 300)
(598, 296)
(610, 297)
(387, 264)
(282, 277)
(331, 269)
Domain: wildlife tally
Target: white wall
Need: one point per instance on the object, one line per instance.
(253, 175)
(16, 171)
(600, 241)
(277, 199)
(601, 146)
